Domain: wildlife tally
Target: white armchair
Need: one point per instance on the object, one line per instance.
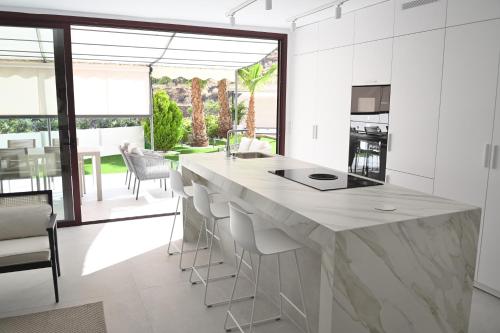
(28, 233)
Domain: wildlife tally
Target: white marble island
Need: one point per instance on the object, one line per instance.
(408, 270)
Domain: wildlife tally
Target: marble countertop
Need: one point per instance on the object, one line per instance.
(336, 210)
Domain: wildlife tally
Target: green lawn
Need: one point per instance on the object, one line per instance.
(115, 164)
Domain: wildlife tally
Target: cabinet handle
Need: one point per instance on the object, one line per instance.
(494, 157)
(486, 155)
(389, 142)
(316, 132)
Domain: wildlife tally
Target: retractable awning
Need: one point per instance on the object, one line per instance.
(113, 64)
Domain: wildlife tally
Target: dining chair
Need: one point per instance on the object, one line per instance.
(21, 143)
(15, 164)
(52, 167)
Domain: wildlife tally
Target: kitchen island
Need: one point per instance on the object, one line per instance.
(376, 259)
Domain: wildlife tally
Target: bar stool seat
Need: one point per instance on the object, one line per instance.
(274, 241)
(262, 243)
(220, 210)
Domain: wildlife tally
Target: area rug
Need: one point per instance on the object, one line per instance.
(88, 318)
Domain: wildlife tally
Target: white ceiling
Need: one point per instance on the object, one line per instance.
(205, 11)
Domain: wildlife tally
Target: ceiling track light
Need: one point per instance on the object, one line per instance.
(338, 11)
(269, 4)
(294, 26)
(232, 20)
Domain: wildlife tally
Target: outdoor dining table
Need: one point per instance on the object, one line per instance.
(95, 154)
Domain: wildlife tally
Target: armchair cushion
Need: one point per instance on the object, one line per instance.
(24, 221)
(24, 250)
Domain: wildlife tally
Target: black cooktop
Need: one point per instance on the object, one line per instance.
(324, 179)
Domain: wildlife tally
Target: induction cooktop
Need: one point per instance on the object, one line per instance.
(324, 179)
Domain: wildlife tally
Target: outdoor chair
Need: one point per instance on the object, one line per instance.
(21, 143)
(28, 233)
(52, 163)
(15, 164)
(147, 167)
(128, 176)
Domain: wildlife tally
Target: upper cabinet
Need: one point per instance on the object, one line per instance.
(336, 32)
(306, 39)
(467, 111)
(374, 22)
(372, 63)
(415, 98)
(419, 15)
(466, 11)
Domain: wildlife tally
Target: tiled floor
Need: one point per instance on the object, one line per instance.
(125, 265)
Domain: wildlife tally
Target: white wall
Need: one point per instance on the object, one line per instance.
(106, 139)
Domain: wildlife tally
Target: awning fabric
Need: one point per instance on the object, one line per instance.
(112, 65)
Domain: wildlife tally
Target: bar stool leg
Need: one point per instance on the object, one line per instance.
(173, 225)
(255, 293)
(196, 252)
(228, 312)
(279, 285)
(306, 318)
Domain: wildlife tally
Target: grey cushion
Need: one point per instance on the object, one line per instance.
(24, 221)
(24, 250)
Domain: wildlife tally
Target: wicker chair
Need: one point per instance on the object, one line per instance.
(148, 167)
(29, 240)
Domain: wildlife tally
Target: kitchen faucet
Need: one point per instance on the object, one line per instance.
(228, 144)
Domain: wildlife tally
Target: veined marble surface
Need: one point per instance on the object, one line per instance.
(336, 210)
(405, 271)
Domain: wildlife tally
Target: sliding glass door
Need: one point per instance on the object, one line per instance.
(35, 149)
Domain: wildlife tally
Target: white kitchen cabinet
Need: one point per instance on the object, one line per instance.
(303, 104)
(466, 11)
(415, 98)
(417, 183)
(331, 147)
(334, 32)
(374, 22)
(488, 268)
(467, 111)
(418, 15)
(306, 39)
(372, 63)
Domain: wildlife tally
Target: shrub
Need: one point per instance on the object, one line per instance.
(187, 130)
(242, 111)
(211, 107)
(167, 120)
(212, 124)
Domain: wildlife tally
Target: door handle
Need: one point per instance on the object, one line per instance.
(486, 155)
(389, 141)
(494, 154)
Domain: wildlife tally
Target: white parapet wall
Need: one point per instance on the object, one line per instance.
(106, 139)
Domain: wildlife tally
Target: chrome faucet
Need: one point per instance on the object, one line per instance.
(228, 144)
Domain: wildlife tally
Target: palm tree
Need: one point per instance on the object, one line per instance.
(224, 114)
(253, 77)
(200, 138)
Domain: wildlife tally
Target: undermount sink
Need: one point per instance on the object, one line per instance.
(247, 155)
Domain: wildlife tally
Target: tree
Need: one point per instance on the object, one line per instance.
(224, 115)
(239, 114)
(200, 138)
(167, 122)
(253, 77)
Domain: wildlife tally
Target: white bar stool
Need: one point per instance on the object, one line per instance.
(212, 212)
(262, 243)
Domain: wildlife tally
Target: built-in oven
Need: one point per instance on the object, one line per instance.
(370, 107)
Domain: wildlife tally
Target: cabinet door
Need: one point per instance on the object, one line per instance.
(334, 100)
(415, 96)
(374, 22)
(336, 32)
(466, 11)
(372, 63)
(467, 111)
(488, 268)
(303, 99)
(416, 16)
(306, 39)
(417, 183)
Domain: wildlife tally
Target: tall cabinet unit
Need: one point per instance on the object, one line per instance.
(464, 168)
(415, 99)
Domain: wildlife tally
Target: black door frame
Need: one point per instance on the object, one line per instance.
(65, 22)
